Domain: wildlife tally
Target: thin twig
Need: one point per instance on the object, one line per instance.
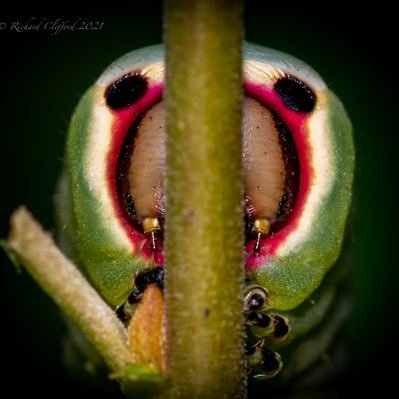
(66, 285)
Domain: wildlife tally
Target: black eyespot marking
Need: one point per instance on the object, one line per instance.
(295, 94)
(125, 91)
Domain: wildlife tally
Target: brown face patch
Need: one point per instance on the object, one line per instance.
(141, 168)
(146, 333)
(271, 170)
(148, 165)
(264, 172)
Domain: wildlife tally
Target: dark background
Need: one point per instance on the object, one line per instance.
(44, 75)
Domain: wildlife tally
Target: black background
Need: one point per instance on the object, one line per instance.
(43, 76)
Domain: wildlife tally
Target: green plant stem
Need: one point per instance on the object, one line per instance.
(204, 226)
(64, 283)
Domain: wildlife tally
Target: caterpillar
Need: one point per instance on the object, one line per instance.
(298, 162)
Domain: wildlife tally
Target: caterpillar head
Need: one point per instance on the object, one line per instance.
(297, 162)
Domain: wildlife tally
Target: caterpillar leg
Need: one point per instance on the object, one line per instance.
(263, 329)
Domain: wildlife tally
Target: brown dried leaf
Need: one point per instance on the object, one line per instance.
(145, 333)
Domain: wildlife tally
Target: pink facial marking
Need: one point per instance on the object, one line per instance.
(123, 120)
(297, 124)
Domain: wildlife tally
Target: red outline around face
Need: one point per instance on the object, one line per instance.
(123, 120)
(296, 123)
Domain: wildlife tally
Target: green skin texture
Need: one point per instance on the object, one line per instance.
(315, 324)
(89, 241)
(290, 279)
(314, 328)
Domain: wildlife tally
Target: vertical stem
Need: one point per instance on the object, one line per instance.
(204, 227)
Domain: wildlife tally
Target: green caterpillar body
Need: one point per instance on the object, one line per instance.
(105, 233)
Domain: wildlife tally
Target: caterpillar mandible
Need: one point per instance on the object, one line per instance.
(298, 162)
